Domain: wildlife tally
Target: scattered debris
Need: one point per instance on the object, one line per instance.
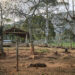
(67, 50)
(56, 53)
(38, 65)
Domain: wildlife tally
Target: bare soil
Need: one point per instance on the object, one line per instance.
(56, 64)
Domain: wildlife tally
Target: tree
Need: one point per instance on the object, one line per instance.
(38, 27)
(47, 4)
(71, 15)
(1, 32)
(68, 34)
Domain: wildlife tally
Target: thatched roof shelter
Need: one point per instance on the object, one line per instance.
(17, 32)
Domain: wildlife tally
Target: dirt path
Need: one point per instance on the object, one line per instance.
(62, 63)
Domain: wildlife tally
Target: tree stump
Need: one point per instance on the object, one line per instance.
(67, 50)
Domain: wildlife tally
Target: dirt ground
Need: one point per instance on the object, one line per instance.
(60, 64)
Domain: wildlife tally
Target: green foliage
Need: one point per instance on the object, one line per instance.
(42, 51)
(1, 29)
(7, 27)
(38, 27)
(51, 30)
(69, 34)
(7, 20)
(42, 3)
(53, 2)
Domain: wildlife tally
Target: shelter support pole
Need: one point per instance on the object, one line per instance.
(26, 39)
(32, 48)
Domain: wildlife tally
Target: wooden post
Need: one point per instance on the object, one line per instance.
(26, 40)
(17, 59)
(32, 48)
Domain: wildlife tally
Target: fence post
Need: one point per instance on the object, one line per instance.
(17, 58)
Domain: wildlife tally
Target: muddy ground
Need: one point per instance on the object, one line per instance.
(56, 64)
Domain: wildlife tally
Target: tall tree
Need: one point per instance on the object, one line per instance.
(46, 4)
(38, 27)
(70, 18)
(1, 32)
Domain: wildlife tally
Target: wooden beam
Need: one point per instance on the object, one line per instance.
(17, 58)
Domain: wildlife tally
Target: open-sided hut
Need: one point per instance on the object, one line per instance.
(17, 32)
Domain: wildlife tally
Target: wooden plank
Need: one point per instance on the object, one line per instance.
(17, 58)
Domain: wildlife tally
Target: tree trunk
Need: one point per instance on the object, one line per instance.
(17, 57)
(32, 48)
(73, 7)
(1, 34)
(47, 27)
(31, 38)
(26, 39)
(1, 42)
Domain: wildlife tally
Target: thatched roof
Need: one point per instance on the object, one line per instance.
(17, 32)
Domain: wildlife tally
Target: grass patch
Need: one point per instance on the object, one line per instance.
(64, 44)
(42, 51)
